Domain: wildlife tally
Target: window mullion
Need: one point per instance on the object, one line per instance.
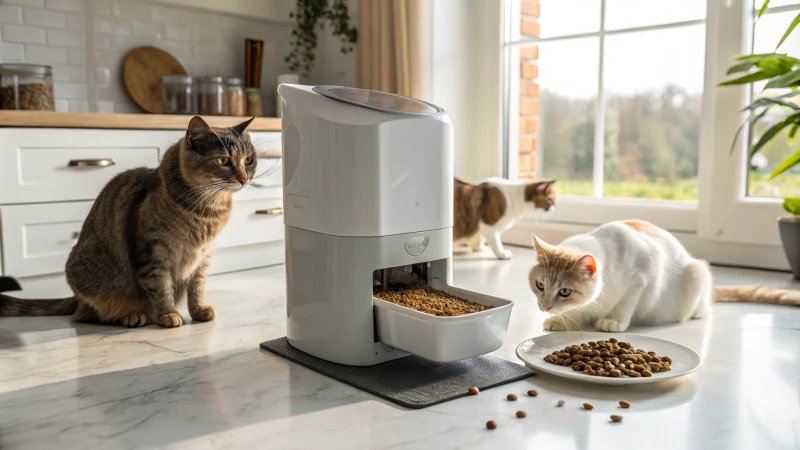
(600, 107)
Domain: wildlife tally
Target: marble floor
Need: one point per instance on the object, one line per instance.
(208, 385)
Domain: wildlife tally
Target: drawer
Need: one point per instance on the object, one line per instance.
(250, 225)
(37, 239)
(63, 165)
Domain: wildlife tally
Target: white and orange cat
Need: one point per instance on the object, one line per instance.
(630, 272)
(484, 211)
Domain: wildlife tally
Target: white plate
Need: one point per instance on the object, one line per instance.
(532, 352)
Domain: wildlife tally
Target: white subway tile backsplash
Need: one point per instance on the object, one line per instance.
(103, 106)
(70, 91)
(102, 42)
(132, 9)
(78, 106)
(112, 26)
(38, 54)
(65, 5)
(23, 35)
(76, 56)
(11, 52)
(147, 29)
(33, 3)
(177, 32)
(66, 38)
(10, 14)
(69, 73)
(102, 75)
(100, 8)
(105, 58)
(62, 105)
(124, 44)
(205, 36)
(76, 22)
(43, 18)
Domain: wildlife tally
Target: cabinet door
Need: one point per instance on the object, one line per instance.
(37, 239)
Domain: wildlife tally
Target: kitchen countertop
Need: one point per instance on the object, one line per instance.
(208, 385)
(48, 119)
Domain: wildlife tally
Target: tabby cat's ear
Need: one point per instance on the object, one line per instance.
(198, 129)
(239, 129)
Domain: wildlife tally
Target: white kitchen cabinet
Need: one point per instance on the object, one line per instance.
(49, 178)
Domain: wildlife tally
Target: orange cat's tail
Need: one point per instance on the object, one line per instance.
(757, 294)
(10, 306)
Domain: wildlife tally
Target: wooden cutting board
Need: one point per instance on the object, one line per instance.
(142, 71)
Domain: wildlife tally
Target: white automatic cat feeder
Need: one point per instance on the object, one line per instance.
(368, 186)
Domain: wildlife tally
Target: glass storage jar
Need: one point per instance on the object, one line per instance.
(234, 97)
(254, 106)
(210, 96)
(26, 86)
(176, 94)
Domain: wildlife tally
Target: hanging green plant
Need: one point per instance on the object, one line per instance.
(309, 16)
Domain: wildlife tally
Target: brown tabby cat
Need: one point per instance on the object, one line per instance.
(483, 212)
(148, 238)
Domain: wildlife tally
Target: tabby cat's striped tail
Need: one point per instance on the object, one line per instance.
(10, 306)
(757, 294)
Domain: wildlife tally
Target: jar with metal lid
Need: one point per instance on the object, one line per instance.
(234, 97)
(210, 96)
(176, 94)
(26, 86)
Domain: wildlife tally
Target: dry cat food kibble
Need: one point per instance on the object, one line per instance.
(511, 397)
(473, 390)
(34, 96)
(610, 359)
(532, 393)
(521, 414)
(624, 404)
(588, 406)
(491, 424)
(429, 300)
(560, 403)
(616, 418)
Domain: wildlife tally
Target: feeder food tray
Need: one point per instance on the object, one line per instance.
(444, 338)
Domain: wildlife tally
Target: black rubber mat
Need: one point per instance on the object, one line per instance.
(412, 381)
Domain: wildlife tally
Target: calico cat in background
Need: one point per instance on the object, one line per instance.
(483, 212)
(630, 272)
(149, 235)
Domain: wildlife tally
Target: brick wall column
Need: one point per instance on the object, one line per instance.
(528, 91)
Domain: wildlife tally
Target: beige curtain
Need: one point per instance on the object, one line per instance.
(389, 46)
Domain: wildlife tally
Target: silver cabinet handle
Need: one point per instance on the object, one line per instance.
(270, 212)
(91, 162)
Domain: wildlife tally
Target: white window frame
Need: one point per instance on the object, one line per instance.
(724, 226)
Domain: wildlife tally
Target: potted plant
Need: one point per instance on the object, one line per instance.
(783, 74)
(309, 16)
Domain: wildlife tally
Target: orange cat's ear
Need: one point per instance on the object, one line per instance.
(587, 265)
(541, 246)
(198, 128)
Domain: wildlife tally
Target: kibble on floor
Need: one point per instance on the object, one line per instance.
(560, 403)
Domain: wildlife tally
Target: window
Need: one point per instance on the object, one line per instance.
(767, 33)
(618, 100)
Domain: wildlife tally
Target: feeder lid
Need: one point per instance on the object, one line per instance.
(380, 101)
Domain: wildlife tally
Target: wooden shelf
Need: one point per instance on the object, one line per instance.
(47, 119)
